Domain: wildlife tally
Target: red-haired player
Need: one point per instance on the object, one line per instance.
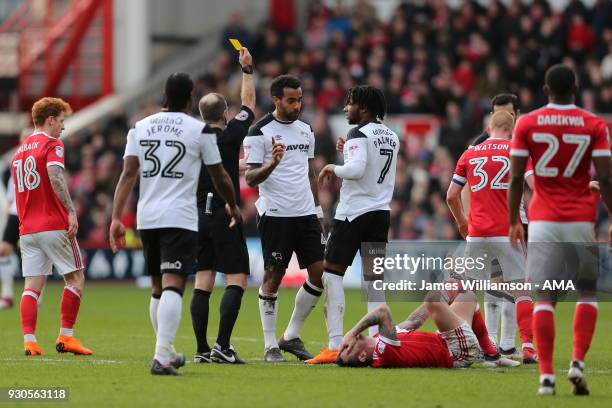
(47, 225)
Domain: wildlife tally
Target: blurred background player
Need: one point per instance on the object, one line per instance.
(485, 168)
(454, 345)
(47, 225)
(561, 140)
(10, 224)
(222, 248)
(368, 178)
(280, 152)
(171, 146)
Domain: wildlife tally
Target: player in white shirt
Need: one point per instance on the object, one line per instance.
(8, 263)
(165, 152)
(362, 215)
(279, 152)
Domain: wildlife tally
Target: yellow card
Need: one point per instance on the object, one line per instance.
(236, 44)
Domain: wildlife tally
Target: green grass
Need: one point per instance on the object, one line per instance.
(114, 322)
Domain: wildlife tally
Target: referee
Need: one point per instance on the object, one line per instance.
(221, 248)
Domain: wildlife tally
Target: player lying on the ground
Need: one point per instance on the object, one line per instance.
(454, 345)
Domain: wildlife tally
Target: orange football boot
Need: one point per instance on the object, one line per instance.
(326, 356)
(68, 344)
(32, 349)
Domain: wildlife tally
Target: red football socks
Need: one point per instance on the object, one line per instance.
(544, 334)
(524, 320)
(29, 310)
(69, 307)
(585, 317)
(480, 330)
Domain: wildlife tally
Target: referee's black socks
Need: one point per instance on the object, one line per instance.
(199, 318)
(228, 309)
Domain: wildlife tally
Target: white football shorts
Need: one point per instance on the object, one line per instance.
(41, 251)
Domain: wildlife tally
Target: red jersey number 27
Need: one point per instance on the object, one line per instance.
(541, 168)
(27, 176)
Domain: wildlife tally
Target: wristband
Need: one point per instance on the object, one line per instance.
(247, 69)
(319, 212)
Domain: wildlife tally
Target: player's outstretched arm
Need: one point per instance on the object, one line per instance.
(453, 199)
(247, 90)
(258, 173)
(416, 318)
(126, 183)
(223, 184)
(58, 182)
(356, 160)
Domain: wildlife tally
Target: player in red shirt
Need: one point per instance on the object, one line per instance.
(485, 168)
(47, 225)
(454, 346)
(561, 140)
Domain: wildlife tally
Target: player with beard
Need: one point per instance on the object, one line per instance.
(279, 152)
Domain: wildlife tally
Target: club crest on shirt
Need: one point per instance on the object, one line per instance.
(59, 151)
(380, 347)
(242, 115)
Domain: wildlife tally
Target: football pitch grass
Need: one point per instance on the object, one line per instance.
(114, 323)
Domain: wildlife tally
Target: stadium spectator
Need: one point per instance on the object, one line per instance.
(427, 57)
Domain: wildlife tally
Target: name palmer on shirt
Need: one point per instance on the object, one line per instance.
(563, 120)
(384, 140)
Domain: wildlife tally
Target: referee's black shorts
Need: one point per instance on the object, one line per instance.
(346, 237)
(11, 231)
(282, 236)
(221, 248)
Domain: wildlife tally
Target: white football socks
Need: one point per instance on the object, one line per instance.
(153, 305)
(7, 273)
(375, 299)
(508, 325)
(305, 300)
(492, 308)
(168, 320)
(268, 309)
(334, 308)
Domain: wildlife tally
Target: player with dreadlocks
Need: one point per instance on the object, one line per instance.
(362, 215)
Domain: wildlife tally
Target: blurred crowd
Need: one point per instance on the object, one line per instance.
(428, 59)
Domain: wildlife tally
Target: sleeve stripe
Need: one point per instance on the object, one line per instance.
(519, 152)
(601, 153)
(55, 163)
(528, 173)
(389, 341)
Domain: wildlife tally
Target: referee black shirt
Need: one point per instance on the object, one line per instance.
(229, 141)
